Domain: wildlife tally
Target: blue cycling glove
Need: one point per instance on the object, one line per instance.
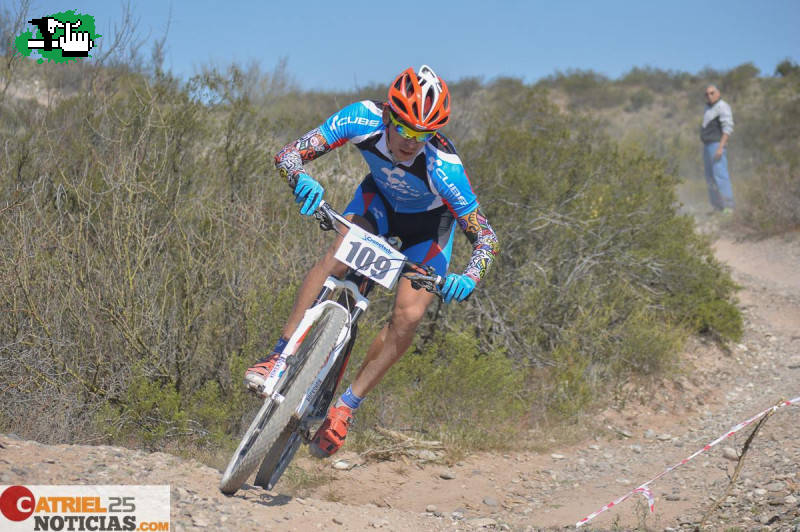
(458, 287)
(309, 190)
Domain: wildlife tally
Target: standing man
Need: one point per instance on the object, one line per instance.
(715, 131)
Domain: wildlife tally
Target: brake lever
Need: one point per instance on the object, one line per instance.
(416, 284)
(325, 221)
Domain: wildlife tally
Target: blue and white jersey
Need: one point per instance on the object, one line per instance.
(433, 178)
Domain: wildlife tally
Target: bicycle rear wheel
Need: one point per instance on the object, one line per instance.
(270, 423)
(278, 458)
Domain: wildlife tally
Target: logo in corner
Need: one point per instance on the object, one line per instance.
(60, 37)
(16, 503)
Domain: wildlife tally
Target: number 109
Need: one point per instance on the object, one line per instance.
(365, 257)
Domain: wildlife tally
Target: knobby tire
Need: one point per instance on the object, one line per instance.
(308, 360)
(278, 458)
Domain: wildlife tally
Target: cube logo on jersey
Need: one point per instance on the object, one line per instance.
(80, 508)
(337, 122)
(435, 168)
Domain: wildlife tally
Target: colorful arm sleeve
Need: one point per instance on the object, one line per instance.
(289, 161)
(484, 243)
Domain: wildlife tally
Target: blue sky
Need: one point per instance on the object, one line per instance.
(347, 44)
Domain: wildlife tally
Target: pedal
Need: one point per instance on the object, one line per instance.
(257, 390)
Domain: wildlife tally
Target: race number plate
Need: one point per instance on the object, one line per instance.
(371, 257)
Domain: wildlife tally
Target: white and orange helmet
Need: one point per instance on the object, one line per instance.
(420, 99)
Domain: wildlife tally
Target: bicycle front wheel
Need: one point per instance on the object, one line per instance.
(266, 429)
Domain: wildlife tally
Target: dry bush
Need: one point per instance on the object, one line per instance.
(149, 253)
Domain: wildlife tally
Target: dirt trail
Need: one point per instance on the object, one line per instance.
(653, 429)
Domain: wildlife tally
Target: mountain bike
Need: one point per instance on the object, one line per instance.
(303, 382)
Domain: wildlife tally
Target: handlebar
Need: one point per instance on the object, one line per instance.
(422, 276)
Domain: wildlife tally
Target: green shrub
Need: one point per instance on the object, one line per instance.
(787, 68)
(453, 389)
(639, 99)
(737, 80)
(770, 201)
(150, 412)
(587, 89)
(656, 80)
(570, 390)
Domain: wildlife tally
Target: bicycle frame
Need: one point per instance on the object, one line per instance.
(310, 316)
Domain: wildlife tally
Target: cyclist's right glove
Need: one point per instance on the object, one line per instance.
(308, 190)
(457, 287)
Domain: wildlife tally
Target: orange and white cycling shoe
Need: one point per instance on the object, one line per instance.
(330, 436)
(256, 375)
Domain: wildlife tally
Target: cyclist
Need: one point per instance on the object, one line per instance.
(416, 189)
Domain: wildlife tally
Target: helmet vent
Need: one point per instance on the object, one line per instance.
(409, 87)
(428, 103)
(401, 106)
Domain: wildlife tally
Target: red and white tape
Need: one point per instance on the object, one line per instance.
(645, 490)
